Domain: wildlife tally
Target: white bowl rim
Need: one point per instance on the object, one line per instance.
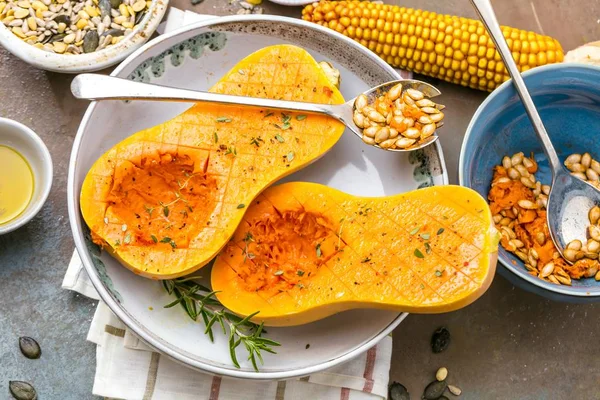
(86, 62)
(34, 207)
(461, 179)
(108, 299)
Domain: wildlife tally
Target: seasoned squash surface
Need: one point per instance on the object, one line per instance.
(305, 251)
(166, 200)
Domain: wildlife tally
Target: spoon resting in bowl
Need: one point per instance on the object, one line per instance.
(570, 198)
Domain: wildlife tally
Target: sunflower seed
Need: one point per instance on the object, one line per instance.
(455, 390)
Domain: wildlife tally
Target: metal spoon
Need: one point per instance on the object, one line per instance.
(102, 87)
(570, 198)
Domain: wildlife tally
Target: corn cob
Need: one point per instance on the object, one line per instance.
(451, 48)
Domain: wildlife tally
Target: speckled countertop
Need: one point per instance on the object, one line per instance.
(508, 345)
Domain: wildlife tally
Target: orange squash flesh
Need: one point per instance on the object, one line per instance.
(305, 251)
(166, 200)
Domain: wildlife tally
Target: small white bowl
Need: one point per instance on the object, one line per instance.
(19, 137)
(91, 61)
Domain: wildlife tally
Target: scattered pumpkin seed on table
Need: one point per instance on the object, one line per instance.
(22, 390)
(397, 391)
(29, 347)
(72, 26)
(440, 340)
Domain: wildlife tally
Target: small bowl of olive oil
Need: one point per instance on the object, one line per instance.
(25, 174)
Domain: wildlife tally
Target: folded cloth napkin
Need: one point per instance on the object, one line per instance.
(127, 368)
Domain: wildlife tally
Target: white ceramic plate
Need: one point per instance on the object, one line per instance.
(196, 57)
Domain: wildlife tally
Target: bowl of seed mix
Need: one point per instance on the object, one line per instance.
(502, 159)
(74, 36)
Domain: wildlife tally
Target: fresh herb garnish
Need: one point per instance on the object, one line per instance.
(282, 127)
(270, 113)
(419, 254)
(117, 242)
(231, 150)
(318, 249)
(438, 273)
(216, 137)
(248, 237)
(256, 141)
(154, 239)
(198, 300)
(166, 211)
(290, 156)
(279, 138)
(241, 205)
(366, 260)
(166, 239)
(301, 286)
(300, 272)
(440, 231)
(300, 117)
(425, 236)
(127, 239)
(223, 119)
(414, 231)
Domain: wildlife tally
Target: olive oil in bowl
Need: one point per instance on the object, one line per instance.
(16, 184)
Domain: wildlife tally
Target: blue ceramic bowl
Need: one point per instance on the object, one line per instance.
(568, 99)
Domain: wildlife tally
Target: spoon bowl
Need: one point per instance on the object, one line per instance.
(100, 87)
(568, 205)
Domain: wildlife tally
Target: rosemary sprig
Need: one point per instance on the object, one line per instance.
(198, 300)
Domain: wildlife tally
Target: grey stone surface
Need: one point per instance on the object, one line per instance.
(508, 345)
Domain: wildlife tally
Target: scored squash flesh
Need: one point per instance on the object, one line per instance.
(166, 200)
(305, 251)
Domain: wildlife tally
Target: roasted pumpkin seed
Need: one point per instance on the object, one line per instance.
(440, 340)
(22, 390)
(434, 390)
(29, 347)
(397, 391)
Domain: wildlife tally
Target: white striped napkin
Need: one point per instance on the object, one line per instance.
(126, 368)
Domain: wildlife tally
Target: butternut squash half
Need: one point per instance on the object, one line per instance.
(166, 200)
(305, 251)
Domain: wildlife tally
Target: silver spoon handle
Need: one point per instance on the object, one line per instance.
(102, 87)
(487, 16)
